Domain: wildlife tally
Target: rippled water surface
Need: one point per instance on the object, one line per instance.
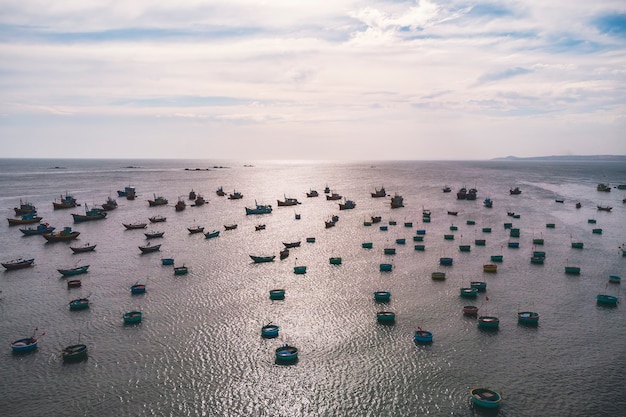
(198, 350)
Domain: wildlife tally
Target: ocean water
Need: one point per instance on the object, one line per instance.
(198, 350)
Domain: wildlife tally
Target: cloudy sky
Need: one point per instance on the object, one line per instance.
(287, 79)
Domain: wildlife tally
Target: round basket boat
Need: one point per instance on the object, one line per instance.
(423, 336)
(484, 397)
(386, 317)
(286, 353)
(74, 353)
(277, 294)
(269, 331)
(382, 296)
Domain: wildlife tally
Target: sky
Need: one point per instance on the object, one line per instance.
(335, 80)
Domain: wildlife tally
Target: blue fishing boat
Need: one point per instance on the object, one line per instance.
(385, 267)
(420, 232)
(133, 317)
(262, 259)
(513, 245)
(259, 209)
(40, 229)
(528, 317)
(269, 331)
(422, 336)
(211, 235)
(382, 296)
(157, 201)
(401, 241)
(90, 214)
(484, 397)
(167, 261)
(74, 271)
(277, 294)
(79, 304)
(64, 235)
(181, 270)
(286, 353)
(386, 317)
(445, 261)
(24, 208)
(607, 299)
(126, 192)
(25, 219)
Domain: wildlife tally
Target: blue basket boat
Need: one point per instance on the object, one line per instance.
(382, 296)
(484, 397)
(286, 353)
(269, 331)
(423, 336)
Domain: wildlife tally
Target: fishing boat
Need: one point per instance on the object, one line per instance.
(538, 241)
(128, 190)
(488, 322)
(180, 205)
(277, 294)
(446, 189)
(465, 248)
(382, 296)
(39, 230)
(299, 270)
(468, 292)
(149, 248)
(74, 353)
(230, 226)
(297, 216)
(133, 317)
(607, 299)
(367, 245)
(604, 208)
(154, 234)
(269, 331)
(286, 353)
(461, 194)
(488, 202)
(537, 260)
(26, 344)
(515, 191)
(284, 253)
(528, 317)
(496, 258)
(74, 271)
(578, 205)
(109, 204)
(385, 267)
(157, 201)
(550, 225)
(596, 231)
(486, 229)
(559, 200)
(195, 229)
(481, 286)
(572, 270)
(423, 336)
(292, 244)
(64, 202)
(167, 261)
(138, 289)
(220, 191)
(82, 249)
(334, 196)
(259, 227)
(417, 238)
(603, 187)
(386, 317)
(236, 195)
(389, 251)
(490, 267)
(420, 248)
(379, 193)
(397, 201)
(192, 195)
(615, 279)
(212, 234)
(480, 242)
(262, 259)
(591, 221)
(24, 208)
(157, 219)
(79, 304)
(312, 193)
(453, 213)
(74, 283)
(335, 261)
(438, 276)
(25, 219)
(470, 310)
(326, 189)
(444, 260)
(513, 245)
(181, 270)
(259, 209)
(199, 201)
(64, 235)
(401, 241)
(484, 397)
(347, 205)
(132, 226)
(472, 194)
(288, 201)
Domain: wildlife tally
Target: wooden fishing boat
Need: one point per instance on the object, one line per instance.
(292, 244)
(74, 353)
(157, 219)
(312, 193)
(596, 231)
(397, 201)
(465, 248)
(74, 283)
(236, 195)
(284, 253)
(180, 205)
(109, 204)
(326, 189)
(446, 189)
(537, 260)
(157, 201)
(515, 191)
(154, 234)
(132, 226)
(192, 195)
(220, 191)
(262, 259)
(438, 276)
(167, 261)
(277, 294)
(604, 208)
(133, 317)
(528, 317)
(538, 241)
(347, 205)
(445, 261)
(486, 229)
(90, 214)
(259, 209)
(286, 353)
(604, 187)
(138, 289)
(269, 331)
(335, 261)
(195, 229)
(79, 304)
(488, 322)
(420, 248)
(259, 227)
(64, 202)
(470, 310)
(379, 193)
(490, 268)
(181, 270)
(453, 213)
(27, 344)
(288, 201)
(591, 221)
(480, 242)
(550, 225)
(230, 226)
(24, 208)
(484, 397)
(386, 317)
(128, 190)
(389, 251)
(468, 292)
(74, 271)
(310, 240)
(149, 248)
(417, 238)
(470, 222)
(82, 249)
(578, 205)
(18, 263)
(211, 235)
(199, 201)
(615, 279)
(382, 296)
(423, 336)
(25, 219)
(495, 258)
(607, 299)
(334, 196)
(39, 230)
(577, 245)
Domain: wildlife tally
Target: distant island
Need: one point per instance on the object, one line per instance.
(573, 158)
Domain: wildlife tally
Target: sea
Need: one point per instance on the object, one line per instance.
(198, 350)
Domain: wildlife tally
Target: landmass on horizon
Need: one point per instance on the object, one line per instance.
(608, 158)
